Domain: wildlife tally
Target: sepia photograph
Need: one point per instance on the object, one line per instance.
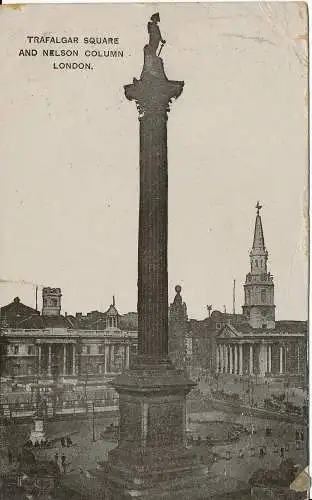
(154, 251)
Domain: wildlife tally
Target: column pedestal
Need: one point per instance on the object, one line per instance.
(151, 454)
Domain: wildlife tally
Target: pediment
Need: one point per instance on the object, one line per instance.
(228, 331)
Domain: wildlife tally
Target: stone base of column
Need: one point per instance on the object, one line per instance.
(151, 460)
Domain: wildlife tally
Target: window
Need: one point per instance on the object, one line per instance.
(16, 349)
(88, 349)
(101, 349)
(256, 263)
(30, 350)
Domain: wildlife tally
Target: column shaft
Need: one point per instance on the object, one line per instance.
(226, 358)
(251, 359)
(231, 358)
(107, 367)
(217, 359)
(49, 359)
(64, 359)
(269, 358)
(221, 359)
(39, 359)
(128, 356)
(74, 359)
(241, 359)
(281, 359)
(235, 358)
(153, 236)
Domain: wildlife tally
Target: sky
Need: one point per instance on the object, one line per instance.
(237, 134)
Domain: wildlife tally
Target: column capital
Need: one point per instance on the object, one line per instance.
(153, 95)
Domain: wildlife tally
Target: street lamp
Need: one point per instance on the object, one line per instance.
(93, 422)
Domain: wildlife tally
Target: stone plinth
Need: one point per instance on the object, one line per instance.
(37, 434)
(151, 452)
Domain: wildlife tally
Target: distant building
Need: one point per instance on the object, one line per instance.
(257, 344)
(50, 348)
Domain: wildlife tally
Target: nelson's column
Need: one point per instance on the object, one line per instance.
(151, 460)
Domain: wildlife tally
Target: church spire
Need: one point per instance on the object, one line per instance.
(258, 254)
(259, 305)
(258, 241)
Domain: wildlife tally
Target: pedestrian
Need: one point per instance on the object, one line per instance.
(69, 441)
(282, 452)
(261, 453)
(63, 459)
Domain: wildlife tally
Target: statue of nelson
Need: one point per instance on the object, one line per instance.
(154, 34)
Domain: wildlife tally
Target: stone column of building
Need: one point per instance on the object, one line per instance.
(251, 359)
(269, 358)
(111, 358)
(151, 455)
(262, 359)
(49, 359)
(235, 359)
(241, 359)
(218, 359)
(64, 359)
(106, 358)
(231, 358)
(39, 358)
(226, 359)
(281, 370)
(221, 358)
(127, 355)
(74, 360)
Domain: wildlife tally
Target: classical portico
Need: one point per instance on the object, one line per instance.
(259, 355)
(56, 357)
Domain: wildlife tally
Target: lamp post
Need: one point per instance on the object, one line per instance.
(93, 423)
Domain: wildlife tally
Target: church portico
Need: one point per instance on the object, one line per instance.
(262, 357)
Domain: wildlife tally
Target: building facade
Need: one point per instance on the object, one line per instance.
(257, 344)
(50, 348)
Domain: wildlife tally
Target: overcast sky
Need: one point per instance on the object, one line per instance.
(238, 134)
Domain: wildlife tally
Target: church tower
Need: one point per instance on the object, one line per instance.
(259, 308)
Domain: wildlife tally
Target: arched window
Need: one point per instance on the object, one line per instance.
(263, 296)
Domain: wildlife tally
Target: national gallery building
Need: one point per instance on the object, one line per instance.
(50, 348)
